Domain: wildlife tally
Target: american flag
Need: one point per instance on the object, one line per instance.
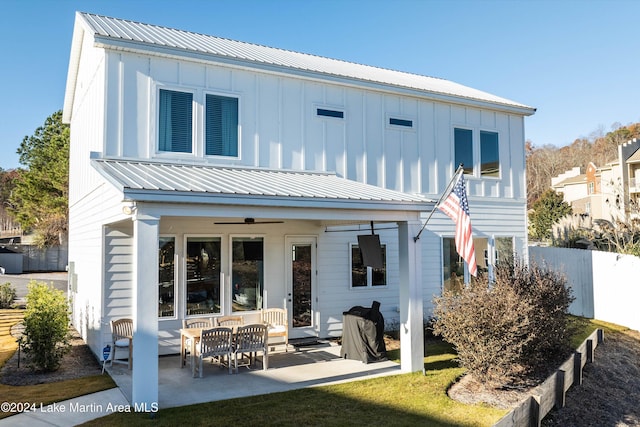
(456, 206)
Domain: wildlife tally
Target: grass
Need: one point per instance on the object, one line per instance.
(401, 400)
(41, 393)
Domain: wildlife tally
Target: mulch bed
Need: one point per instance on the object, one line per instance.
(79, 362)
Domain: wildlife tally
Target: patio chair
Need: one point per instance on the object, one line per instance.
(250, 340)
(229, 321)
(277, 324)
(189, 345)
(214, 343)
(122, 337)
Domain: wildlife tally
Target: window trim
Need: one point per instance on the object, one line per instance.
(473, 149)
(476, 147)
(198, 123)
(494, 131)
(183, 266)
(194, 129)
(204, 126)
(369, 284)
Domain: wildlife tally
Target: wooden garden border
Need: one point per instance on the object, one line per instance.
(552, 392)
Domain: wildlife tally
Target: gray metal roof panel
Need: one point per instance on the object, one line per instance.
(224, 180)
(124, 30)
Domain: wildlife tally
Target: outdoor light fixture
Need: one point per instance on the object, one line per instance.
(129, 209)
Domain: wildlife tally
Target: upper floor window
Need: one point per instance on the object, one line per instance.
(325, 112)
(221, 121)
(489, 158)
(175, 121)
(591, 188)
(463, 148)
(467, 152)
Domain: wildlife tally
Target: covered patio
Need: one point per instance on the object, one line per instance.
(311, 365)
(285, 207)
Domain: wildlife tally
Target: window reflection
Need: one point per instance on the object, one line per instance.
(247, 273)
(166, 276)
(203, 275)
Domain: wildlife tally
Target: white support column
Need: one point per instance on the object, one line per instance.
(145, 312)
(411, 305)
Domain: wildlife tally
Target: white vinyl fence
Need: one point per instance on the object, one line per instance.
(606, 285)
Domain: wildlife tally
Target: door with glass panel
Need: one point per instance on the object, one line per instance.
(301, 292)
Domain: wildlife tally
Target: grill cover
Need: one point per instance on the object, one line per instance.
(363, 334)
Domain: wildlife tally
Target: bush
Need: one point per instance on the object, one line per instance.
(46, 321)
(7, 295)
(509, 329)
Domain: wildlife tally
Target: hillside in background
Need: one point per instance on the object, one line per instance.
(548, 161)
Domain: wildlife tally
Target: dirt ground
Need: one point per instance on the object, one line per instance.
(79, 362)
(609, 395)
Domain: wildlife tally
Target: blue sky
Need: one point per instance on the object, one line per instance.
(577, 62)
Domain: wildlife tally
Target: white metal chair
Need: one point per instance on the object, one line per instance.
(122, 338)
(214, 343)
(189, 345)
(277, 324)
(250, 340)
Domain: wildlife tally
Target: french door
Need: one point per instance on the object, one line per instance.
(301, 287)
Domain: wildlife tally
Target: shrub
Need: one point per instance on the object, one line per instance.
(511, 328)
(46, 322)
(7, 295)
(488, 327)
(548, 293)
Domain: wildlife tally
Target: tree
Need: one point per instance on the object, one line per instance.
(547, 210)
(7, 183)
(40, 197)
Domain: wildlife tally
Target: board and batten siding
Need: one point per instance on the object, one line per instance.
(279, 127)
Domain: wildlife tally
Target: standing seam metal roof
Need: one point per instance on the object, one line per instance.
(224, 180)
(129, 31)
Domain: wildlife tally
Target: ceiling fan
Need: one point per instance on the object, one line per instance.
(249, 221)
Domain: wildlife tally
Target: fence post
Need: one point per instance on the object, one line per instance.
(577, 368)
(560, 395)
(589, 351)
(534, 415)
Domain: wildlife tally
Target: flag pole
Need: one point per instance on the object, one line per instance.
(442, 196)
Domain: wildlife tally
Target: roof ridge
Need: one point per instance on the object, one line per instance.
(164, 27)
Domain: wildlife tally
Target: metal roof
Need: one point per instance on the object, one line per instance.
(123, 34)
(155, 181)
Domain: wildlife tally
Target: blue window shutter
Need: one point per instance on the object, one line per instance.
(221, 134)
(175, 121)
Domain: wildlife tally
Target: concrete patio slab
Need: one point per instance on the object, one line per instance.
(304, 367)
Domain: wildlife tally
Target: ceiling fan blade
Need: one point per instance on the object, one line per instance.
(248, 221)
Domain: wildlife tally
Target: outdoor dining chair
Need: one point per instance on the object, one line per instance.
(277, 324)
(189, 345)
(215, 343)
(229, 321)
(250, 340)
(122, 338)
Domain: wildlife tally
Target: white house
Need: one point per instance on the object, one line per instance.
(211, 176)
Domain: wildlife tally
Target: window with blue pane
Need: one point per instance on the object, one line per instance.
(463, 147)
(175, 121)
(489, 158)
(221, 121)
